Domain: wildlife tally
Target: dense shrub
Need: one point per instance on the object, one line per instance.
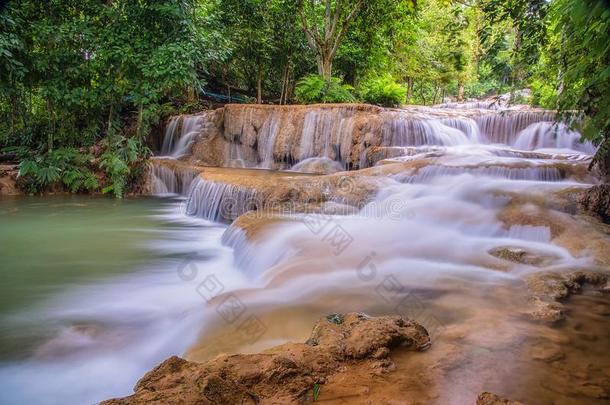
(122, 159)
(384, 91)
(314, 89)
(64, 167)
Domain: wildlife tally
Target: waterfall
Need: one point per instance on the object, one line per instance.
(178, 144)
(165, 181)
(504, 126)
(406, 131)
(486, 105)
(545, 134)
(326, 134)
(319, 165)
(267, 137)
(273, 137)
(219, 202)
(467, 125)
(430, 172)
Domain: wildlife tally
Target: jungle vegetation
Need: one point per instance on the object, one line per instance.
(83, 82)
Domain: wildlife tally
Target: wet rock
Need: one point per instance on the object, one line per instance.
(8, 179)
(318, 166)
(519, 255)
(548, 289)
(488, 398)
(284, 374)
(597, 200)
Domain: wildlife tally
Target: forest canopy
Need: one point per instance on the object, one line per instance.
(83, 82)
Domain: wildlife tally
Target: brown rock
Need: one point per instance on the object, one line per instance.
(548, 289)
(487, 398)
(597, 200)
(518, 255)
(284, 374)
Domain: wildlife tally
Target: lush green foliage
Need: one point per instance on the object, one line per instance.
(73, 73)
(121, 161)
(98, 75)
(314, 89)
(384, 91)
(67, 167)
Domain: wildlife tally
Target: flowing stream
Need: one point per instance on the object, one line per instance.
(96, 292)
(93, 293)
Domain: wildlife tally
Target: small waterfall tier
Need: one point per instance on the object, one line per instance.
(280, 137)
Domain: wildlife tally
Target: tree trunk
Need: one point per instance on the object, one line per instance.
(325, 36)
(109, 131)
(284, 94)
(259, 86)
(140, 119)
(190, 94)
(51, 127)
(460, 95)
(409, 89)
(325, 66)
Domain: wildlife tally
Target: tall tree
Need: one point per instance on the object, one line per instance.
(325, 24)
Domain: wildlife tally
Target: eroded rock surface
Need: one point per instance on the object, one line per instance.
(488, 398)
(550, 288)
(597, 200)
(8, 177)
(284, 374)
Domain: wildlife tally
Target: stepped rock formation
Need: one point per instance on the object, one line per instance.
(285, 374)
(481, 211)
(280, 136)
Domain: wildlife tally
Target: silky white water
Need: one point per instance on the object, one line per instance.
(426, 235)
(109, 297)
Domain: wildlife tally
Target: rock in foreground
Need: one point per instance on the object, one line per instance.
(286, 373)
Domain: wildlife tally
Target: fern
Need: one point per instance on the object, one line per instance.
(65, 165)
(383, 91)
(48, 175)
(28, 166)
(314, 89)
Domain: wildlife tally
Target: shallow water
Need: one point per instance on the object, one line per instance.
(95, 292)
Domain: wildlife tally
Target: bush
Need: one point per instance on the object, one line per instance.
(314, 89)
(67, 167)
(384, 91)
(122, 163)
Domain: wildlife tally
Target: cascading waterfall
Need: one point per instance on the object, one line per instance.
(326, 134)
(467, 125)
(220, 202)
(430, 172)
(166, 181)
(549, 135)
(502, 127)
(274, 138)
(268, 134)
(488, 105)
(178, 144)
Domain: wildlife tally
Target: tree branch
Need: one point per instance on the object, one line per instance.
(344, 26)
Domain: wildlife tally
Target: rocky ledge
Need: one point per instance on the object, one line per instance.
(549, 289)
(285, 374)
(597, 200)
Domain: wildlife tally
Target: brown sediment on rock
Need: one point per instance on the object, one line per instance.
(278, 188)
(597, 200)
(548, 289)
(520, 255)
(488, 398)
(8, 179)
(357, 131)
(339, 344)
